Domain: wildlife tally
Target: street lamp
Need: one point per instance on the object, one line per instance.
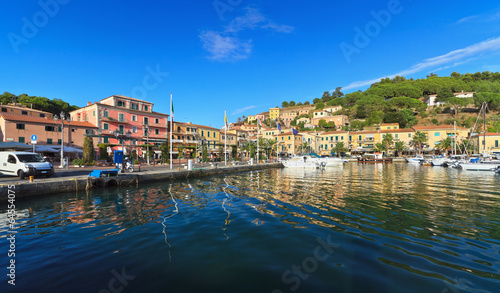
(63, 117)
(146, 131)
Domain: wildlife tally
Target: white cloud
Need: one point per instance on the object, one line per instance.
(451, 59)
(227, 46)
(223, 48)
(487, 17)
(238, 111)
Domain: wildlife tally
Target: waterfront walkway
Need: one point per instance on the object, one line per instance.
(77, 179)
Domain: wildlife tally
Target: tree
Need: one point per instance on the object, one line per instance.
(379, 147)
(165, 152)
(444, 94)
(493, 100)
(180, 151)
(401, 103)
(88, 150)
(399, 147)
(303, 147)
(284, 104)
(234, 151)
(388, 140)
(418, 139)
(307, 103)
(337, 93)
(204, 153)
(457, 103)
(339, 148)
(320, 106)
(291, 104)
(316, 100)
(326, 97)
(444, 144)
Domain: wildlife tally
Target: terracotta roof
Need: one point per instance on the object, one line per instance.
(396, 130)
(288, 133)
(23, 118)
(202, 126)
(487, 134)
(334, 132)
(436, 127)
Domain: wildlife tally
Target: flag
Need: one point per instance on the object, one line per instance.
(225, 119)
(295, 131)
(304, 138)
(279, 126)
(260, 122)
(171, 109)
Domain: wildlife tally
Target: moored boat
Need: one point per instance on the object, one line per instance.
(303, 162)
(415, 160)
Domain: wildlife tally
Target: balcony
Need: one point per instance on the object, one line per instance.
(177, 141)
(115, 120)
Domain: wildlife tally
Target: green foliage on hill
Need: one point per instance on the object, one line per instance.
(54, 106)
(399, 99)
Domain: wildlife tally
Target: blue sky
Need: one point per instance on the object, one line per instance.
(236, 55)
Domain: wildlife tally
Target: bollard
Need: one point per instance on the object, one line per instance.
(139, 166)
(178, 168)
(190, 165)
(31, 178)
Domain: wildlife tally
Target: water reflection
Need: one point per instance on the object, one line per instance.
(419, 223)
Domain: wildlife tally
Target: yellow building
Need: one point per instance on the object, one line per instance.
(274, 113)
(210, 136)
(436, 133)
(251, 118)
(492, 142)
(328, 140)
(389, 126)
(288, 143)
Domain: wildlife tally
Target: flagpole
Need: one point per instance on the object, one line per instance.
(258, 122)
(171, 129)
(225, 138)
(293, 137)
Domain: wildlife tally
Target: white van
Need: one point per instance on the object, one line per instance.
(24, 164)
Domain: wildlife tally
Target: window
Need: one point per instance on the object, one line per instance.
(20, 126)
(134, 129)
(336, 138)
(202, 133)
(73, 130)
(360, 137)
(105, 126)
(93, 113)
(350, 137)
(146, 120)
(120, 103)
(24, 112)
(134, 117)
(105, 113)
(157, 131)
(157, 120)
(146, 108)
(341, 138)
(11, 159)
(437, 134)
(409, 134)
(49, 140)
(21, 139)
(106, 140)
(4, 109)
(121, 117)
(134, 106)
(121, 129)
(42, 115)
(88, 131)
(496, 143)
(59, 141)
(59, 129)
(208, 133)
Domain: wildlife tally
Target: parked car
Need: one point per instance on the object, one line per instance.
(24, 164)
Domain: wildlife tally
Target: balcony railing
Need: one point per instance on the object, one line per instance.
(178, 140)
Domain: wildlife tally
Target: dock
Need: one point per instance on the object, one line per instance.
(46, 186)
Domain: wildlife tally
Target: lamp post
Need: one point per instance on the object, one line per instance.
(146, 131)
(117, 133)
(63, 117)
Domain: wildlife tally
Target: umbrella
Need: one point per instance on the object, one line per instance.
(68, 149)
(14, 145)
(45, 149)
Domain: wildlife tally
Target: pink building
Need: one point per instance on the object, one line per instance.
(125, 115)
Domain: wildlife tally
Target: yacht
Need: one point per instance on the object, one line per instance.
(303, 162)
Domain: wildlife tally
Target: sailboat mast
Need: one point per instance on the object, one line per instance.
(484, 129)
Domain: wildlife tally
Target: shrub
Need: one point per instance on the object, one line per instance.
(435, 121)
(77, 162)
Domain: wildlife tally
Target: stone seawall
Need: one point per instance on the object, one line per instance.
(24, 188)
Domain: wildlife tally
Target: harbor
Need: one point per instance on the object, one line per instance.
(393, 227)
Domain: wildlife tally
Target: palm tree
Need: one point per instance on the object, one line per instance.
(388, 140)
(399, 146)
(271, 142)
(379, 147)
(339, 148)
(303, 147)
(419, 138)
(444, 144)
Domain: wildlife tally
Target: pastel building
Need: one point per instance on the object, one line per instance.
(124, 114)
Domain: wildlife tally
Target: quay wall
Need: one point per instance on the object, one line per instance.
(45, 186)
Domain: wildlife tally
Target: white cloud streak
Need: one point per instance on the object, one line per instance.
(482, 18)
(225, 45)
(451, 59)
(238, 111)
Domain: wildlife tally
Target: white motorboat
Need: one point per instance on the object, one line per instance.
(455, 160)
(438, 161)
(415, 160)
(332, 162)
(303, 162)
(480, 164)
